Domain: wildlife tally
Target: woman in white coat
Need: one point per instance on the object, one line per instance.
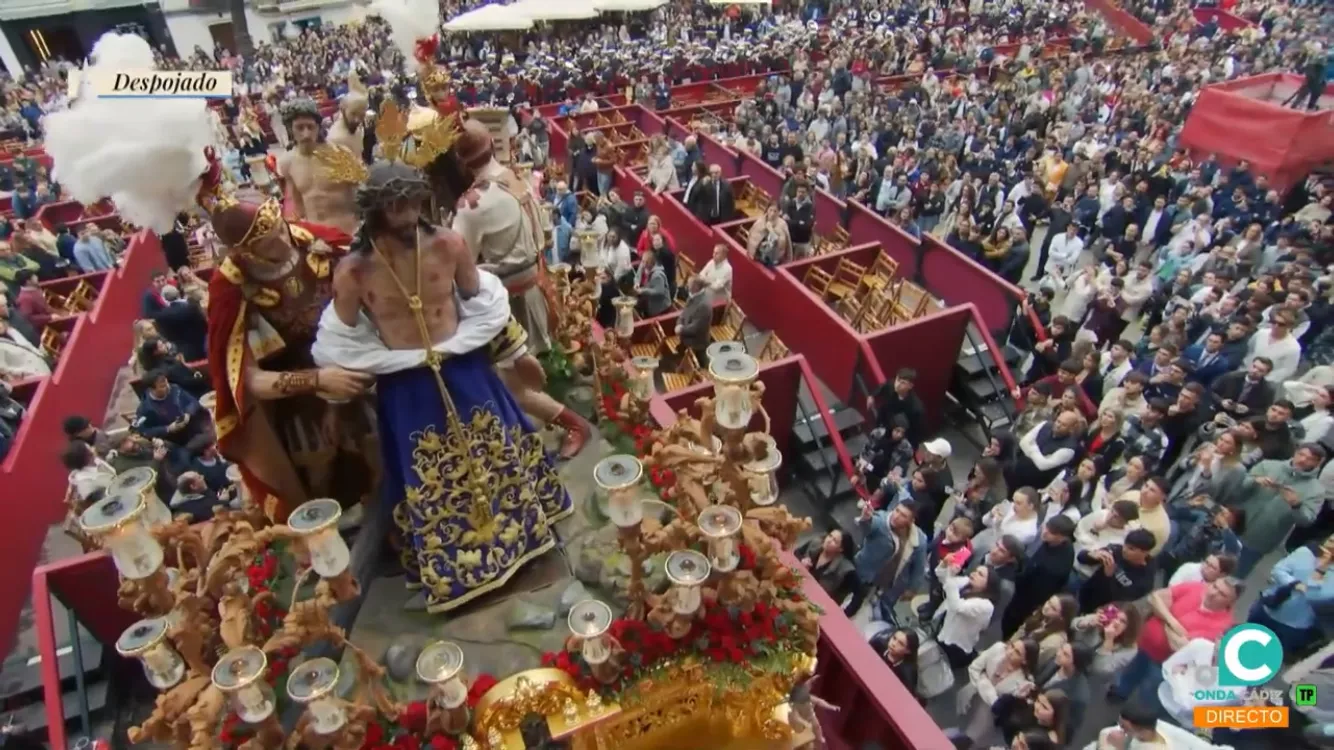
(1000, 670)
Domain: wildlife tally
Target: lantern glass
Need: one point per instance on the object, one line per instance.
(625, 316)
(720, 524)
(619, 477)
(687, 570)
(732, 375)
(146, 641)
(239, 674)
(254, 703)
(595, 650)
(119, 521)
(641, 379)
(327, 716)
(762, 473)
(317, 522)
(453, 693)
(589, 621)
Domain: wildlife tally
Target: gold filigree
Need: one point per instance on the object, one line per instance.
(341, 165)
(391, 129)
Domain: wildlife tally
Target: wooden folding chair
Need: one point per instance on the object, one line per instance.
(686, 376)
(774, 349)
(83, 296)
(818, 280)
(52, 342)
(877, 311)
(850, 308)
(685, 270)
(841, 236)
(672, 344)
(59, 302)
(847, 277)
(882, 272)
(650, 348)
(730, 327)
(908, 303)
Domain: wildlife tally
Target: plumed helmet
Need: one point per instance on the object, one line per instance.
(388, 182)
(301, 106)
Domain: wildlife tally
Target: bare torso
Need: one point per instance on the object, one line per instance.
(318, 199)
(340, 135)
(370, 281)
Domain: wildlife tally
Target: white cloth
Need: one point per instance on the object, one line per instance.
(1064, 251)
(1181, 679)
(1285, 353)
(964, 618)
(19, 358)
(359, 347)
(1187, 573)
(92, 478)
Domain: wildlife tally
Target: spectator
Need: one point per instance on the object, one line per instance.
(697, 315)
(898, 397)
(999, 671)
(1043, 577)
(89, 476)
(717, 275)
(183, 322)
(79, 428)
(1278, 496)
(172, 415)
(1121, 572)
(651, 286)
(1295, 606)
(892, 558)
(90, 252)
(829, 559)
(32, 300)
(1180, 613)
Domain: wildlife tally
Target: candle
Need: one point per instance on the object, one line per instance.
(641, 382)
(440, 665)
(625, 316)
(119, 522)
(327, 715)
(732, 375)
(453, 693)
(619, 476)
(312, 683)
(317, 523)
(762, 473)
(720, 523)
(238, 675)
(687, 570)
(146, 641)
(590, 620)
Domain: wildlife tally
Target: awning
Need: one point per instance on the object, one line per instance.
(490, 18)
(556, 10)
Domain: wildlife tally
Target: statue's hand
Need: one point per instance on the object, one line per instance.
(335, 383)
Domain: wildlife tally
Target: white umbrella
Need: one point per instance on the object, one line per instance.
(628, 6)
(490, 18)
(556, 10)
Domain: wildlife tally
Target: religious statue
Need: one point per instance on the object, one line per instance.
(467, 480)
(297, 432)
(307, 194)
(349, 129)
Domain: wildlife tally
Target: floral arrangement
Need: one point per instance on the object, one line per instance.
(262, 575)
(406, 733)
(640, 436)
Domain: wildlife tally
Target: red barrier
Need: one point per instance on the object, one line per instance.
(1244, 119)
(53, 215)
(81, 384)
(1122, 21)
(864, 225)
(1228, 22)
(782, 383)
(808, 325)
(958, 279)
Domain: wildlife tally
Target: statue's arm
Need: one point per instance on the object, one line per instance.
(347, 290)
(466, 277)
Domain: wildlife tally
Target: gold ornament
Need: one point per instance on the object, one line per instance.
(416, 147)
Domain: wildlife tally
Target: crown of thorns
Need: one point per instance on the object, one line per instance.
(302, 106)
(389, 182)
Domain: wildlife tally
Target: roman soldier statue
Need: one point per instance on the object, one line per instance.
(349, 129)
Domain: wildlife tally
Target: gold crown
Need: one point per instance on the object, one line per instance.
(433, 76)
(429, 141)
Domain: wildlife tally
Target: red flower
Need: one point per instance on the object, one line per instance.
(480, 686)
(747, 557)
(441, 742)
(413, 717)
(408, 742)
(374, 734)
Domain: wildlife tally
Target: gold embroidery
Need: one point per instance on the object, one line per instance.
(292, 286)
(266, 297)
(230, 271)
(480, 508)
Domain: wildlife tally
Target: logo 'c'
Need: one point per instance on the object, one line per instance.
(1249, 655)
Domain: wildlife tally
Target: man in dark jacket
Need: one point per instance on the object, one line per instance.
(1122, 572)
(693, 324)
(897, 397)
(184, 324)
(800, 216)
(1044, 574)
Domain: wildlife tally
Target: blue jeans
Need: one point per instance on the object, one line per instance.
(604, 183)
(1141, 675)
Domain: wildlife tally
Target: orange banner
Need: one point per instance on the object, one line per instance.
(1241, 717)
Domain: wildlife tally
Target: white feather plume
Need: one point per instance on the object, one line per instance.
(145, 154)
(409, 20)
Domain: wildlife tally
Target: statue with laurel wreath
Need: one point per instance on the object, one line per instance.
(467, 482)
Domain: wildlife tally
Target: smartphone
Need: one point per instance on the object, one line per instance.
(959, 557)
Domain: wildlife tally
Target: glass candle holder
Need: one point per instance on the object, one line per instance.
(590, 620)
(146, 641)
(641, 377)
(619, 477)
(762, 472)
(242, 493)
(239, 675)
(118, 521)
(317, 523)
(142, 481)
(625, 316)
(312, 684)
(720, 523)
(561, 273)
(440, 665)
(687, 570)
(732, 375)
(719, 348)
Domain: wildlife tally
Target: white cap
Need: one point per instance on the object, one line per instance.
(938, 447)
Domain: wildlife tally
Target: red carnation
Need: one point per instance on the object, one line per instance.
(413, 717)
(480, 686)
(374, 734)
(747, 557)
(408, 742)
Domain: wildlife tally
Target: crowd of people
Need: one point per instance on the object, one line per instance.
(1175, 413)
